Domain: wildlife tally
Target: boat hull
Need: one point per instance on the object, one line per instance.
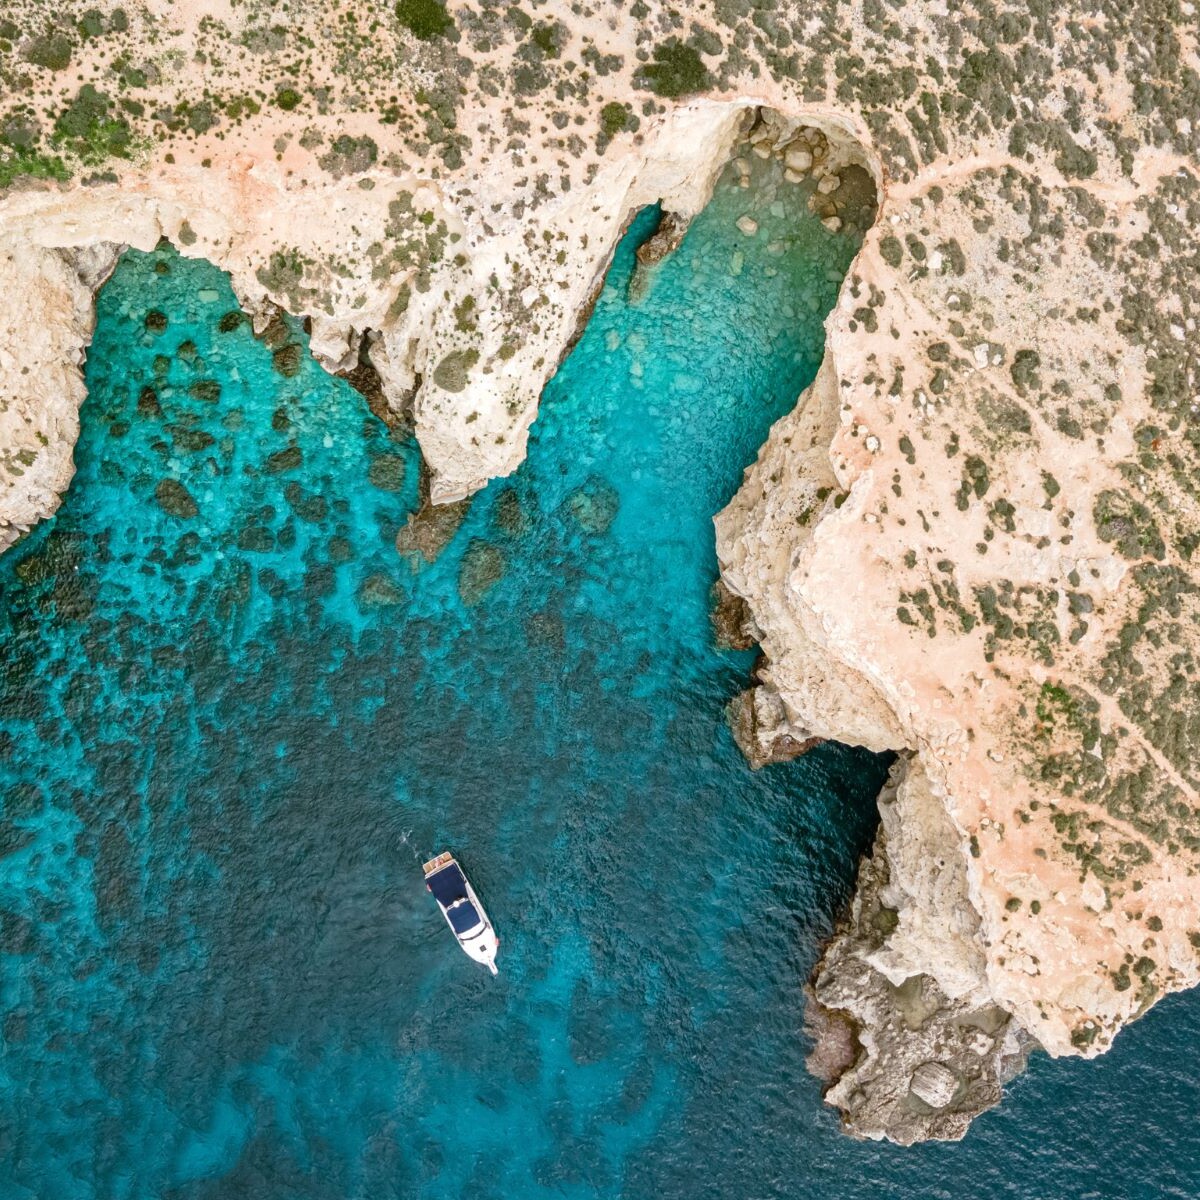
(462, 910)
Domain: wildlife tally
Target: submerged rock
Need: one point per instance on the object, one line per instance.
(380, 591)
(509, 516)
(271, 328)
(148, 405)
(283, 460)
(286, 360)
(207, 390)
(190, 440)
(483, 566)
(313, 508)
(595, 505)
(429, 530)
(256, 538)
(387, 472)
(175, 499)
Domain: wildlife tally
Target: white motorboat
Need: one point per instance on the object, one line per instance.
(462, 910)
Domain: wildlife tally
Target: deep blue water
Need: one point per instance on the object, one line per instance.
(227, 741)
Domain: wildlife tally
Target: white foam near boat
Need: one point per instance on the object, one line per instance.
(462, 910)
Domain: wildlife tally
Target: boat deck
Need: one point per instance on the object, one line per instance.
(446, 880)
(435, 863)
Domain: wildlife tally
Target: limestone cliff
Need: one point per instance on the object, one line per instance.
(972, 542)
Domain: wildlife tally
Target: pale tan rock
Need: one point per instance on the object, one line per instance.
(934, 1083)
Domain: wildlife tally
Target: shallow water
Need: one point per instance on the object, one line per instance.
(228, 739)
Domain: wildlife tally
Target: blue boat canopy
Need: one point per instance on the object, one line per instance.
(448, 885)
(464, 918)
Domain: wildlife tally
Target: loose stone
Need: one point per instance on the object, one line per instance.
(747, 224)
(798, 158)
(934, 1083)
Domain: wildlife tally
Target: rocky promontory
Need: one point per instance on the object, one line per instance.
(972, 541)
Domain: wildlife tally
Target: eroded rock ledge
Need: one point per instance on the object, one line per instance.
(906, 1034)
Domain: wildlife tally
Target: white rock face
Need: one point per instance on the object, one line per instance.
(790, 488)
(937, 930)
(46, 320)
(934, 1083)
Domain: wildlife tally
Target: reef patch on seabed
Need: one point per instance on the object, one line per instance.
(234, 719)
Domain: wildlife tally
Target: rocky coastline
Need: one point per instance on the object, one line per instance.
(972, 541)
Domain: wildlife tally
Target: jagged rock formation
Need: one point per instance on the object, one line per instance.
(973, 540)
(906, 1032)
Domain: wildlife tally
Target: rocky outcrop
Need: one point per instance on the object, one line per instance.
(762, 731)
(972, 542)
(460, 342)
(45, 323)
(906, 1033)
(665, 240)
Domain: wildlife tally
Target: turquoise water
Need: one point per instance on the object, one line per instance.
(233, 721)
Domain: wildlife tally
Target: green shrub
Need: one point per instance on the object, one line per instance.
(350, 155)
(1129, 524)
(51, 50)
(613, 118)
(891, 251)
(287, 98)
(677, 70)
(426, 19)
(24, 163)
(451, 373)
(91, 24)
(87, 127)
(546, 38)
(1024, 370)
